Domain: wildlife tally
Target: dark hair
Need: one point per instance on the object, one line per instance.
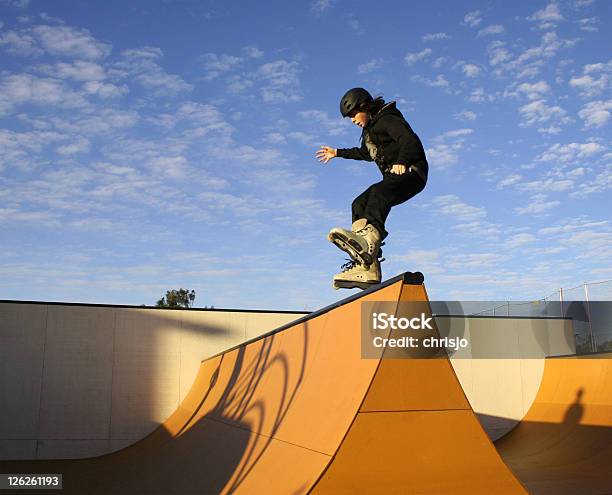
(372, 107)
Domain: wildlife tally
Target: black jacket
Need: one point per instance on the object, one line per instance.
(388, 139)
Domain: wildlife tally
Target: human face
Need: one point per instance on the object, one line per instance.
(360, 118)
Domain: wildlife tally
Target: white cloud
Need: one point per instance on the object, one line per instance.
(444, 153)
(215, 65)
(371, 66)
(453, 206)
(530, 72)
(19, 4)
(473, 19)
(202, 119)
(142, 66)
(331, 126)
(568, 226)
(319, 7)
(537, 205)
(480, 96)
(602, 182)
(589, 24)
(252, 51)
(465, 115)
(305, 138)
(22, 89)
(498, 53)
(428, 261)
(538, 112)
(548, 17)
(598, 67)
(275, 138)
(238, 84)
(170, 166)
(80, 145)
(590, 244)
(67, 41)
(453, 134)
(162, 83)
(591, 85)
(280, 81)
(439, 62)
(435, 37)
(509, 181)
(596, 113)
(476, 260)
(490, 30)
(22, 44)
(102, 121)
(413, 58)
(22, 149)
(529, 62)
(551, 129)
(104, 90)
(14, 215)
(548, 47)
(571, 152)
(439, 82)
(519, 240)
(471, 70)
(533, 91)
(60, 41)
(546, 185)
(79, 70)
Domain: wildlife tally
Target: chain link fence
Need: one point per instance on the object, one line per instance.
(588, 304)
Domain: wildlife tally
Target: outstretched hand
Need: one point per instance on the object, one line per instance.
(325, 154)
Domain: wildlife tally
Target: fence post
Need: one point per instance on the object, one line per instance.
(561, 300)
(586, 298)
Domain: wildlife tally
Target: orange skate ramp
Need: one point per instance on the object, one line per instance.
(298, 410)
(564, 444)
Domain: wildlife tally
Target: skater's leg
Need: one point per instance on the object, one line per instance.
(391, 191)
(370, 211)
(339, 236)
(360, 204)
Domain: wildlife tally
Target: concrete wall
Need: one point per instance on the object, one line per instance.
(79, 381)
(502, 370)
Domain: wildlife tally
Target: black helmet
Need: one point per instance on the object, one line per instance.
(352, 99)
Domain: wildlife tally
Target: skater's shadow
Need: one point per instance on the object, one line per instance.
(575, 412)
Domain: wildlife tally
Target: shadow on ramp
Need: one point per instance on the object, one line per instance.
(563, 446)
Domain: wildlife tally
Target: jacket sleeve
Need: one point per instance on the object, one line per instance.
(361, 153)
(411, 148)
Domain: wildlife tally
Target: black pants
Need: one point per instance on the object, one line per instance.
(375, 203)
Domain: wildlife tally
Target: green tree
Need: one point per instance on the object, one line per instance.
(181, 298)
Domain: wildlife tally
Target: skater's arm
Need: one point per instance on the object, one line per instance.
(411, 149)
(355, 153)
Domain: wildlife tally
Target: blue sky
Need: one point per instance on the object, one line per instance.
(149, 145)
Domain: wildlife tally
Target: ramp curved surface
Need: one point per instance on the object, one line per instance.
(299, 411)
(563, 446)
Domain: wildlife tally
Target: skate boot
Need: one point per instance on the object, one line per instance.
(362, 243)
(354, 275)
